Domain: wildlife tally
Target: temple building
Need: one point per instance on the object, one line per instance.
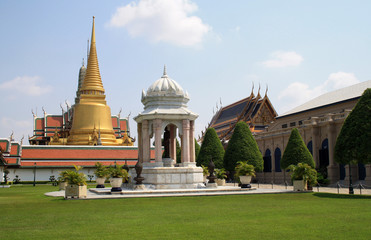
(256, 111)
(319, 122)
(83, 134)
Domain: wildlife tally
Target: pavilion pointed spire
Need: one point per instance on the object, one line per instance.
(92, 84)
(165, 74)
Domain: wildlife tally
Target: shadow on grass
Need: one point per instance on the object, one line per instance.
(343, 196)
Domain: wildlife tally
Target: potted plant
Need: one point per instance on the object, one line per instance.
(101, 173)
(245, 172)
(205, 172)
(302, 175)
(62, 181)
(221, 176)
(76, 183)
(117, 175)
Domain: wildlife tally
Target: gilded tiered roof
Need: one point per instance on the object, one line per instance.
(257, 111)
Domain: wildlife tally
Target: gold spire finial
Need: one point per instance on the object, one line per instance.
(92, 84)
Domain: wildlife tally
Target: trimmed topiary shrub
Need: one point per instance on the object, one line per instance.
(242, 147)
(353, 145)
(211, 148)
(296, 151)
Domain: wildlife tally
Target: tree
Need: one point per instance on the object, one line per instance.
(242, 147)
(353, 145)
(296, 151)
(211, 148)
(197, 148)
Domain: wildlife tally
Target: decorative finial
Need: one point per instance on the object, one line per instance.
(259, 90)
(252, 90)
(266, 90)
(83, 63)
(165, 74)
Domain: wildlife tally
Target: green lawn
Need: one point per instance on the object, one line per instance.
(27, 214)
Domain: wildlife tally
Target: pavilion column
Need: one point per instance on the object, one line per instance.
(185, 142)
(158, 144)
(146, 142)
(173, 142)
(140, 143)
(192, 142)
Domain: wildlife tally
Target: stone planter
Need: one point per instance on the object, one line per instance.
(220, 182)
(100, 182)
(299, 185)
(245, 181)
(116, 184)
(62, 185)
(75, 191)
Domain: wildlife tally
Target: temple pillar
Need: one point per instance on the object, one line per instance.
(192, 142)
(140, 143)
(368, 175)
(172, 142)
(157, 124)
(185, 142)
(146, 142)
(333, 168)
(315, 135)
(354, 169)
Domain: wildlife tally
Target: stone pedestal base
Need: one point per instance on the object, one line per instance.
(168, 162)
(139, 187)
(211, 185)
(152, 164)
(187, 164)
(333, 174)
(173, 177)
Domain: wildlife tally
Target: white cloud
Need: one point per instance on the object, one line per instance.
(298, 93)
(236, 29)
(283, 59)
(162, 21)
(20, 127)
(341, 80)
(30, 86)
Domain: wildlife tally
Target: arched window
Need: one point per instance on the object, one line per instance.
(267, 161)
(310, 147)
(277, 159)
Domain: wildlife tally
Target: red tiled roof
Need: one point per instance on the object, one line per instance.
(14, 151)
(77, 163)
(54, 121)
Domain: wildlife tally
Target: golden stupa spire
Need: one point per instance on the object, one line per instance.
(92, 84)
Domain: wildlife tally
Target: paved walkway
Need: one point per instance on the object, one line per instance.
(342, 190)
(230, 189)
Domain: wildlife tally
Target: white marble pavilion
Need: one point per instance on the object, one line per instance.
(165, 116)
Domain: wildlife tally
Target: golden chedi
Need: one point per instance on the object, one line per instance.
(92, 115)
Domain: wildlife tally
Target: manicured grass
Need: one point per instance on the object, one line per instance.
(27, 214)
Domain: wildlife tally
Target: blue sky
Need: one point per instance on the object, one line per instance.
(214, 49)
